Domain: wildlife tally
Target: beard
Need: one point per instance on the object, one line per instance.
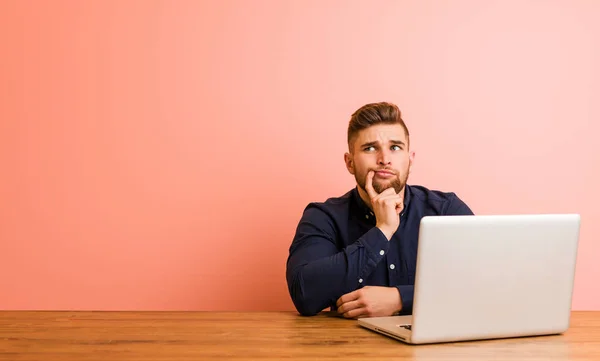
(379, 185)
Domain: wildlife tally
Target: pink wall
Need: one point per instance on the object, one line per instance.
(158, 155)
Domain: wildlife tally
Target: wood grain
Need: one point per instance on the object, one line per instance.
(210, 336)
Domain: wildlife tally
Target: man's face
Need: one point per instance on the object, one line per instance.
(383, 149)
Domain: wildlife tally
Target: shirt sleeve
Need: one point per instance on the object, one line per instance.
(318, 272)
(455, 207)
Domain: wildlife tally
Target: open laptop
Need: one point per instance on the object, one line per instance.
(489, 276)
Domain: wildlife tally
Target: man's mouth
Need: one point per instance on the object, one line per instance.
(384, 173)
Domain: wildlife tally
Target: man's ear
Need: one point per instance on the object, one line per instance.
(411, 160)
(349, 160)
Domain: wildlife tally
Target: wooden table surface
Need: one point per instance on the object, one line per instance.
(209, 336)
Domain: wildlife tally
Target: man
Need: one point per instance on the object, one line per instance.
(357, 253)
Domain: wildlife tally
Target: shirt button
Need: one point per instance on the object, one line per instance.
(360, 280)
(381, 252)
(392, 266)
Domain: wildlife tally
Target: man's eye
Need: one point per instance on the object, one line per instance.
(369, 148)
(396, 147)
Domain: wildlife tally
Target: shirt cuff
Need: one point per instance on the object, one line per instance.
(376, 244)
(406, 296)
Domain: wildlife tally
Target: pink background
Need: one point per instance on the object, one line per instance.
(159, 154)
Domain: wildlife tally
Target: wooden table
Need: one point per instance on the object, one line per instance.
(257, 336)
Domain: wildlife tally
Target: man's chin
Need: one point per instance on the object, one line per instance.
(382, 186)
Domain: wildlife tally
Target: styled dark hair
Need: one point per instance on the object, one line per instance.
(373, 114)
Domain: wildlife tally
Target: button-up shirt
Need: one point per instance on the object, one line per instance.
(337, 249)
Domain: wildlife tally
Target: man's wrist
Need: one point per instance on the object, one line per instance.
(386, 232)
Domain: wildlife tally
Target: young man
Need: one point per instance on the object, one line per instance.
(357, 253)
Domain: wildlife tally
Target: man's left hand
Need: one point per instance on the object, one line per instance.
(370, 301)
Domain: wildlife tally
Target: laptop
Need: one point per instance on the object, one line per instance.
(487, 277)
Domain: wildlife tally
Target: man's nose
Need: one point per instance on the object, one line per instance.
(384, 158)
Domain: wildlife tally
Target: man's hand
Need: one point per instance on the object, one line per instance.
(370, 301)
(387, 205)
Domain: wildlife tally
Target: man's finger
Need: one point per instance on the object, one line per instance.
(349, 306)
(388, 192)
(369, 185)
(347, 298)
(391, 198)
(357, 312)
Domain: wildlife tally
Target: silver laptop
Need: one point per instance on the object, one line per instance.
(489, 276)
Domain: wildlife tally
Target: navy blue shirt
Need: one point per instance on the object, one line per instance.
(337, 248)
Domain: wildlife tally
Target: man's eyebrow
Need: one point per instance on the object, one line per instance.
(372, 144)
(369, 144)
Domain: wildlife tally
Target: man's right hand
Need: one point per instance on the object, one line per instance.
(386, 205)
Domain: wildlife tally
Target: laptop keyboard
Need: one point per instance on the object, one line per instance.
(408, 327)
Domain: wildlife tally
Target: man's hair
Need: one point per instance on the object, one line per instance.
(373, 114)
